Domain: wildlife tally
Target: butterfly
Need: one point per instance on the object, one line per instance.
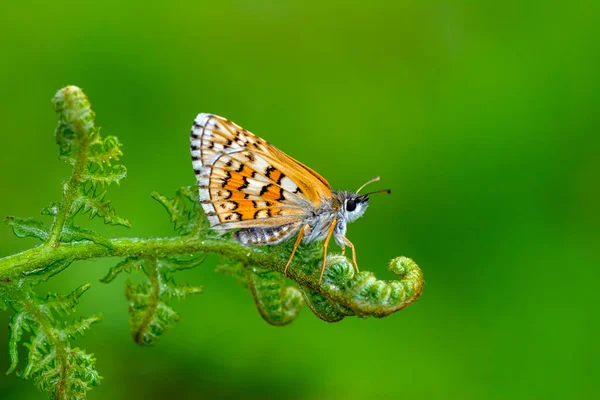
(248, 185)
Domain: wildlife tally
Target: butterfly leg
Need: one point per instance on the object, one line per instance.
(298, 240)
(349, 243)
(325, 245)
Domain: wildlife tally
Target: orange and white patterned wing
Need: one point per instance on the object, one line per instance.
(245, 182)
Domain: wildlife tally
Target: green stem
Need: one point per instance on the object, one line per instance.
(362, 293)
(75, 114)
(69, 194)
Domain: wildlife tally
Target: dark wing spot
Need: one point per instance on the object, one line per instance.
(240, 168)
(264, 189)
(245, 184)
(269, 170)
(280, 178)
(239, 138)
(281, 196)
(229, 163)
(226, 179)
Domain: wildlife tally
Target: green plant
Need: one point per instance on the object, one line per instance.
(67, 372)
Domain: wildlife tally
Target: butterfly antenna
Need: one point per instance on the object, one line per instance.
(371, 181)
(386, 191)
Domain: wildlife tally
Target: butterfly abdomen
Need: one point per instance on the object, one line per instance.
(265, 236)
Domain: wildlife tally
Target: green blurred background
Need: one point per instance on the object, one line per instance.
(481, 116)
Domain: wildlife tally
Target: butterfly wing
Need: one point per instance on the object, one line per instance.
(245, 182)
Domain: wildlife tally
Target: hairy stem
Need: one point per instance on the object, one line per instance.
(362, 293)
(75, 114)
(70, 189)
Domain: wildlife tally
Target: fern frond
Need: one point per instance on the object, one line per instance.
(104, 176)
(149, 317)
(74, 233)
(40, 275)
(184, 210)
(52, 209)
(322, 307)
(105, 152)
(62, 305)
(233, 268)
(100, 170)
(93, 159)
(57, 368)
(76, 131)
(128, 265)
(278, 304)
(149, 314)
(181, 262)
(27, 227)
(17, 326)
(88, 202)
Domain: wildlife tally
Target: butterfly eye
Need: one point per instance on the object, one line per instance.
(350, 205)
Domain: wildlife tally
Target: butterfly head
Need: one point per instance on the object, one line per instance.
(353, 205)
